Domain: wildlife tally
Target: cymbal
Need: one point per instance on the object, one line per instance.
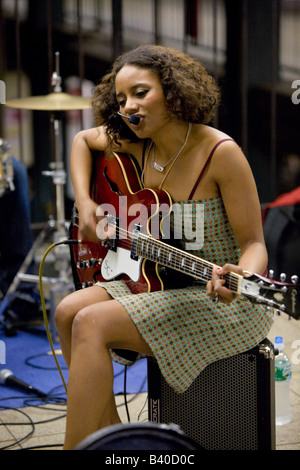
(58, 101)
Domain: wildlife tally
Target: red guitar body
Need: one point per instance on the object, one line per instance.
(138, 215)
(117, 188)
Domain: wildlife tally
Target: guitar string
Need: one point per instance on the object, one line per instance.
(231, 278)
(178, 255)
(202, 269)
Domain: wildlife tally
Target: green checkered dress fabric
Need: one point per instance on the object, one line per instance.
(185, 329)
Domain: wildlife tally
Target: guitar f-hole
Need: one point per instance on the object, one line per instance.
(113, 186)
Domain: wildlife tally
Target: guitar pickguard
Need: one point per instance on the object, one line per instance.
(120, 262)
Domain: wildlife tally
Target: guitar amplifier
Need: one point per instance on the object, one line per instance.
(230, 406)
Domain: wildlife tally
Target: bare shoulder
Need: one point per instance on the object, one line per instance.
(96, 140)
(226, 149)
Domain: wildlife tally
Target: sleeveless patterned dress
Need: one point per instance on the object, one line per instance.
(184, 328)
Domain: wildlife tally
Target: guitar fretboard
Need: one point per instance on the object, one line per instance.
(180, 260)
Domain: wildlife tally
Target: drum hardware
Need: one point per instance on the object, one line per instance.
(55, 102)
(6, 169)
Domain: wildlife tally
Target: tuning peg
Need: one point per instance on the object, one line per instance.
(271, 273)
(295, 279)
(282, 277)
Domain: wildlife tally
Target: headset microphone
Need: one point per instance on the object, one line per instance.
(133, 119)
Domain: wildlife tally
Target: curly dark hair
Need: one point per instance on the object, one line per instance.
(191, 93)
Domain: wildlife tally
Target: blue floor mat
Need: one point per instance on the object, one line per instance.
(28, 355)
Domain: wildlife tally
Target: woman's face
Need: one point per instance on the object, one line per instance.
(139, 92)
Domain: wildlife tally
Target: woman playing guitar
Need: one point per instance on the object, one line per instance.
(156, 105)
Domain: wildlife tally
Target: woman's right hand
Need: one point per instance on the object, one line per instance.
(92, 222)
(88, 220)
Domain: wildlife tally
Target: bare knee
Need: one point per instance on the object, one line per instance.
(65, 312)
(68, 308)
(84, 326)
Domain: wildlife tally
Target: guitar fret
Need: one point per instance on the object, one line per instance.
(177, 259)
(171, 257)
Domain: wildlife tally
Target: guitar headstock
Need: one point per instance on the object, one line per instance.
(281, 295)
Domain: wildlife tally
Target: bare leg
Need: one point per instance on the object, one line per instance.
(96, 329)
(68, 309)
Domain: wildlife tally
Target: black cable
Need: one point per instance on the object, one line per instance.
(32, 364)
(31, 423)
(46, 446)
(54, 398)
(125, 394)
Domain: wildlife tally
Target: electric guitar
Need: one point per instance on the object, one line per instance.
(137, 253)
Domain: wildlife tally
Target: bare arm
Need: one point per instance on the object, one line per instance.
(81, 171)
(81, 165)
(237, 186)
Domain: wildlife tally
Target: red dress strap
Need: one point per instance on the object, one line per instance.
(205, 166)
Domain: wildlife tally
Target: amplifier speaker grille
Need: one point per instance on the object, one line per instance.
(230, 406)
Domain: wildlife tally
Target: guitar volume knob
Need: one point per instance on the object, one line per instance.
(295, 279)
(91, 263)
(81, 264)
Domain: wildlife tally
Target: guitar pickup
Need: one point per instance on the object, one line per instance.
(112, 243)
(135, 235)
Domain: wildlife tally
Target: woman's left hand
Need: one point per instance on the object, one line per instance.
(215, 287)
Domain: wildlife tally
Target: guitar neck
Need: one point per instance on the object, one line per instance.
(180, 260)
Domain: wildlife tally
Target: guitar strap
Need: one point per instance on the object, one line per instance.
(205, 166)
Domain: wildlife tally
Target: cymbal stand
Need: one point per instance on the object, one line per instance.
(63, 284)
(57, 171)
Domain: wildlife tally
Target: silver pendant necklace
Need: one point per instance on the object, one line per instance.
(161, 168)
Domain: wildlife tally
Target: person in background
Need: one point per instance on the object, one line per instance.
(281, 221)
(15, 231)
